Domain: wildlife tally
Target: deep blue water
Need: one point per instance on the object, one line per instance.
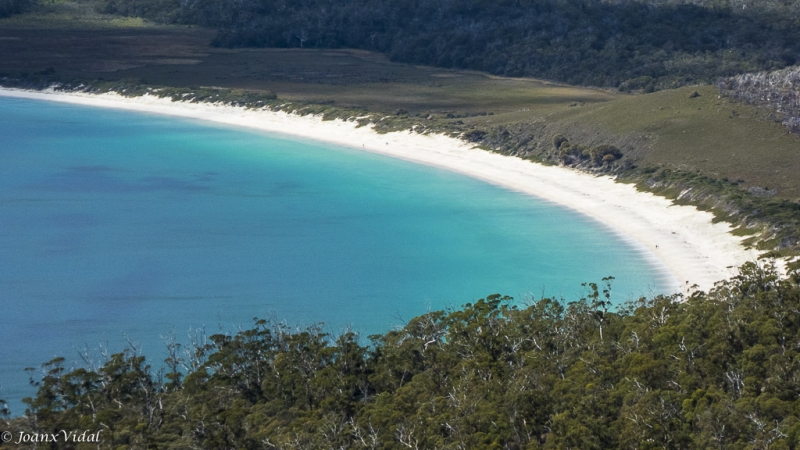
(117, 225)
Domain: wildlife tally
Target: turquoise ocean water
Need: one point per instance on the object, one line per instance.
(120, 226)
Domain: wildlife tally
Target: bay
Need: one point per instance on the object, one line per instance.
(120, 227)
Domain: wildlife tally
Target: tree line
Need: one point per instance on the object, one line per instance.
(706, 370)
(632, 45)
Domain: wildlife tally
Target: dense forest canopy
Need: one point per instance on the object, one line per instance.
(643, 44)
(711, 370)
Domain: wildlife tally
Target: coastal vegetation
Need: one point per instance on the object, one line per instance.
(715, 369)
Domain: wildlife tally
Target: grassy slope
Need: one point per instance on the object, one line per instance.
(706, 135)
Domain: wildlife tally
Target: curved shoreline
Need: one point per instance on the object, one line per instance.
(683, 239)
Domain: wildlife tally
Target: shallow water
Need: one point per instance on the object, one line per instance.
(117, 225)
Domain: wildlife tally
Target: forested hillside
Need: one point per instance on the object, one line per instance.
(714, 370)
(644, 44)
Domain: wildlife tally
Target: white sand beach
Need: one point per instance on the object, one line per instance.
(691, 248)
